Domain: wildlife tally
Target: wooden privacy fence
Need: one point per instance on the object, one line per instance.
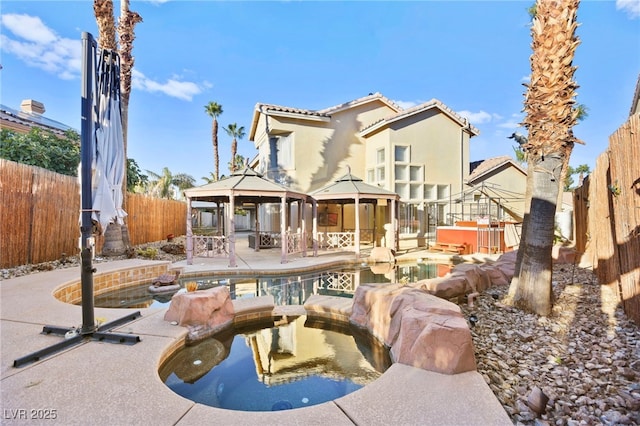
(607, 216)
(40, 213)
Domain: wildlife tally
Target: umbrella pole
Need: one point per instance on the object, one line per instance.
(86, 242)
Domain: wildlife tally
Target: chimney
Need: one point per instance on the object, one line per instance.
(32, 107)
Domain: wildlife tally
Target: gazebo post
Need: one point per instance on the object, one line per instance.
(231, 231)
(357, 236)
(314, 225)
(375, 234)
(303, 226)
(189, 234)
(394, 242)
(283, 229)
(257, 240)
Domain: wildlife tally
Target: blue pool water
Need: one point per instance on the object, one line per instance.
(276, 368)
(286, 289)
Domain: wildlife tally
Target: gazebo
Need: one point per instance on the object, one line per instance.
(352, 190)
(248, 187)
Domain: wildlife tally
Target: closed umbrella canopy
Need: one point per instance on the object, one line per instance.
(108, 166)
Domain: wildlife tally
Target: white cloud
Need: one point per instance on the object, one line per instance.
(479, 117)
(29, 28)
(631, 7)
(40, 47)
(184, 90)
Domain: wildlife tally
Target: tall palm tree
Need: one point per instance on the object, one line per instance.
(214, 110)
(236, 133)
(550, 116)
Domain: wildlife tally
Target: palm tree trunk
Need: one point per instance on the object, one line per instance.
(234, 150)
(103, 9)
(533, 292)
(216, 159)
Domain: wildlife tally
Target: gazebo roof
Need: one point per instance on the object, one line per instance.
(350, 187)
(244, 183)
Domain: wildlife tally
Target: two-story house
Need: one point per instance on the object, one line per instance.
(421, 153)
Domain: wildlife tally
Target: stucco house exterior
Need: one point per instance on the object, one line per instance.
(420, 153)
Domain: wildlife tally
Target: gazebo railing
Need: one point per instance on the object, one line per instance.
(210, 246)
(343, 282)
(366, 235)
(332, 240)
(294, 242)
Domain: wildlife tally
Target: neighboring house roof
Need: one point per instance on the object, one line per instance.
(480, 169)
(23, 121)
(635, 103)
(246, 183)
(403, 114)
(349, 187)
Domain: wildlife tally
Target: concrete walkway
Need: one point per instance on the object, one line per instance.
(102, 383)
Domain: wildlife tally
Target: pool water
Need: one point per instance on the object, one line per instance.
(286, 289)
(274, 368)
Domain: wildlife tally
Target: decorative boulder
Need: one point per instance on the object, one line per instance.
(422, 330)
(210, 308)
(382, 255)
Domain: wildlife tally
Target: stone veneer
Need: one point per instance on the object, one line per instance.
(71, 292)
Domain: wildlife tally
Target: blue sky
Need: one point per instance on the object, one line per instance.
(471, 55)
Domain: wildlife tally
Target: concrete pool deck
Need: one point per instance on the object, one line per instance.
(103, 383)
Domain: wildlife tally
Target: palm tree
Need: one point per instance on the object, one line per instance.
(550, 115)
(164, 185)
(238, 162)
(214, 109)
(236, 133)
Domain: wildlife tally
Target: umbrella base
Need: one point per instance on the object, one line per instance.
(74, 337)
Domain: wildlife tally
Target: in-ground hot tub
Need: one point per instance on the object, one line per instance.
(287, 362)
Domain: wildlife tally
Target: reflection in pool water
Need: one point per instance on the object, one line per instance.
(294, 365)
(286, 290)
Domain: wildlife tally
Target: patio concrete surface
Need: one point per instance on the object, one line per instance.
(103, 383)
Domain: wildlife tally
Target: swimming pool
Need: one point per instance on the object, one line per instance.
(292, 289)
(297, 363)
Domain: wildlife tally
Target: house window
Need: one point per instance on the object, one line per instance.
(415, 174)
(371, 176)
(402, 172)
(285, 151)
(380, 156)
(380, 174)
(402, 154)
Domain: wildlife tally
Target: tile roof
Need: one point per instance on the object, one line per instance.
(404, 113)
(260, 107)
(363, 100)
(482, 167)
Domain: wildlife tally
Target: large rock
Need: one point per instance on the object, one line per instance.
(422, 330)
(210, 308)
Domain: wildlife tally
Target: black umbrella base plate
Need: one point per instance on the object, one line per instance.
(74, 337)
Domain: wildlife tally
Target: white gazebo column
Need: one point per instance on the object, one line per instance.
(231, 229)
(257, 247)
(283, 229)
(302, 215)
(189, 234)
(314, 226)
(357, 236)
(394, 227)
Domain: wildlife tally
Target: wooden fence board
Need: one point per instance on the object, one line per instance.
(40, 214)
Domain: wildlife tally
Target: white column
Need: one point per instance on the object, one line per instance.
(189, 234)
(357, 236)
(283, 229)
(231, 229)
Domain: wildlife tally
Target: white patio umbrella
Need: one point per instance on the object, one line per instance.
(108, 167)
